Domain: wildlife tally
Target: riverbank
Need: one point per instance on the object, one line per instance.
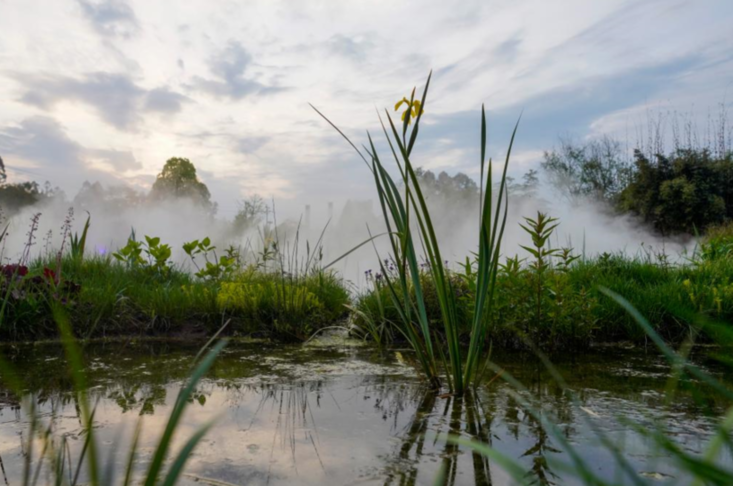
(560, 308)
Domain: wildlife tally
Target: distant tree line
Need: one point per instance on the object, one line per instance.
(177, 181)
(685, 191)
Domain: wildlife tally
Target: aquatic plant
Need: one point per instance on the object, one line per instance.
(408, 223)
(535, 300)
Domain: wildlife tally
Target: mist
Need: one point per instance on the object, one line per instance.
(325, 232)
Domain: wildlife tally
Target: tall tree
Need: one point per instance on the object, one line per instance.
(178, 180)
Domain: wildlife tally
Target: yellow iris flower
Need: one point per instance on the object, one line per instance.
(414, 108)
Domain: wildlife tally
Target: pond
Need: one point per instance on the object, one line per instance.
(334, 412)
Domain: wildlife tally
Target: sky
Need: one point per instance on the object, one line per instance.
(109, 90)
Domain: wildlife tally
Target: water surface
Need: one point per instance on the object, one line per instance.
(335, 413)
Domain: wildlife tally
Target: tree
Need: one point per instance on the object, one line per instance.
(445, 189)
(687, 191)
(94, 196)
(17, 195)
(528, 188)
(250, 213)
(448, 196)
(178, 180)
(595, 169)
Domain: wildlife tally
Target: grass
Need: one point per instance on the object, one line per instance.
(104, 297)
(557, 304)
(574, 311)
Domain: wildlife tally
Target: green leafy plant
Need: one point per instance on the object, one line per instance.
(540, 230)
(130, 254)
(79, 243)
(217, 268)
(406, 215)
(158, 255)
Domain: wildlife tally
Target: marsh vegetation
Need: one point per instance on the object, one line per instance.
(549, 366)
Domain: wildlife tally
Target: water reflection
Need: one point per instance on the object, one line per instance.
(435, 418)
(338, 415)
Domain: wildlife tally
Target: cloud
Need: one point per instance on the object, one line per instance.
(162, 100)
(229, 68)
(251, 144)
(571, 108)
(568, 66)
(42, 141)
(110, 18)
(116, 98)
(348, 47)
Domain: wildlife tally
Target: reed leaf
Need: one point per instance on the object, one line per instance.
(408, 218)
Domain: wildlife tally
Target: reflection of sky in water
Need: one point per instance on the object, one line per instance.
(349, 416)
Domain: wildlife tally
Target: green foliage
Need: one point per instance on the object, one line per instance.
(288, 308)
(536, 303)
(178, 180)
(540, 230)
(399, 217)
(115, 299)
(595, 169)
(79, 243)
(16, 196)
(688, 191)
(216, 269)
(555, 304)
(718, 243)
(158, 255)
(131, 254)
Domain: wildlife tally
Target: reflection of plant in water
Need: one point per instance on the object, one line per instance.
(462, 416)
(540, 469)
(147, 398)
(709, 464)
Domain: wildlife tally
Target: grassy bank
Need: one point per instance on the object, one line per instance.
(105, 297)
(557, 304)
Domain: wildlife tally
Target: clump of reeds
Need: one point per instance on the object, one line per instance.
(409, 224)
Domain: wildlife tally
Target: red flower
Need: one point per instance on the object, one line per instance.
(49, 274)
(10, 270)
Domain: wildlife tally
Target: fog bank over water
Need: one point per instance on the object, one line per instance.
(590, 227)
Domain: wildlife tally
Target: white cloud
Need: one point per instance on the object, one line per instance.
(228, 87)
